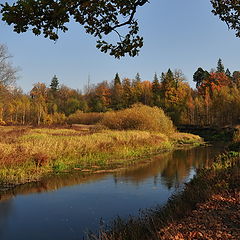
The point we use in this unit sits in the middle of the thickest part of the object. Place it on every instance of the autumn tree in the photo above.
(103, 95)
(25, 109)
(236, 78)
(69, 100)
(127, 93)
(174, 93)
(39, 98)
(146, 97)
(4, 98)
(215, 81)
(137, 88)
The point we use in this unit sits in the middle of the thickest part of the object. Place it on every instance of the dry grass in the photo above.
(28, 154)
(137, 117)
(185, 138)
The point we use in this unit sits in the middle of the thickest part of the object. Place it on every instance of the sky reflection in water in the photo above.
(64, 207)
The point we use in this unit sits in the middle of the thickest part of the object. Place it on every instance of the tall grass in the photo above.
(28, 154)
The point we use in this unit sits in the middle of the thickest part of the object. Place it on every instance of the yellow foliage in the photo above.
(58, 118)
(80, 117)
(139, 117)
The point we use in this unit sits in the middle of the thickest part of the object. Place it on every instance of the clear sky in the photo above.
(178, 34)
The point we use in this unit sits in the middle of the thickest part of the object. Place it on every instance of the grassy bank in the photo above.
(208, 208)
(28, 154)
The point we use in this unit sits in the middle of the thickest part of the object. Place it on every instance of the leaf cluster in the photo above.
(98, 17)
(229, 12)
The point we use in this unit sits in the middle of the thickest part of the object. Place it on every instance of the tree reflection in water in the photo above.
(169, 169)
(95, 196)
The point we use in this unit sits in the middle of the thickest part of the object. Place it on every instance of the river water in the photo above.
(66, 207)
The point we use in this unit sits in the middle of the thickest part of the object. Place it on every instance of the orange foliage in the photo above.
(215, 81)
(103, 91)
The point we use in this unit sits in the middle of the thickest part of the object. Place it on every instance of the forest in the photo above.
(214, 102)
(69, 157)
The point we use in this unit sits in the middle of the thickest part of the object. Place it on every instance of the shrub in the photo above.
(47, 119)
(139, 117)
(80, 117)
(59, 118)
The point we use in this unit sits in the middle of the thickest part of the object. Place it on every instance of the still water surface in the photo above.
(65, 207)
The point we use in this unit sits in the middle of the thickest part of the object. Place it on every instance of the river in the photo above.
(65, 207)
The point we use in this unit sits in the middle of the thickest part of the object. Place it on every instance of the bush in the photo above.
(59, 118)
(47, 119)
(139, 117)
(80, 117)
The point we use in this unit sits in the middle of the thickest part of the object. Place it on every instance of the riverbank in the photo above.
(29, 154)
(208, 208)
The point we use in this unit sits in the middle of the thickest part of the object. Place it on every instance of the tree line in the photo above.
(214, 102)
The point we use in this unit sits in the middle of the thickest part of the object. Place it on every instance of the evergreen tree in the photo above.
(228, 73)
(54, 84)
(136, 89)
(117, 97)
(117, 94)
(155, 84)
(169, 76)
(116, 80)
(127, 93)
(156, 90)
(199, 76)
(220, 67)
(137, 78)
(168, 80)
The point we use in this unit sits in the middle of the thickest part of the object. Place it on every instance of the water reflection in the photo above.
(170, 169)
(5, 211)
(66, 205)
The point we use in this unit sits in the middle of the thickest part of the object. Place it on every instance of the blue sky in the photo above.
(177, 34)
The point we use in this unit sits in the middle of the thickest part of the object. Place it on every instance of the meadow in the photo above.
(28, 154)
